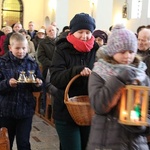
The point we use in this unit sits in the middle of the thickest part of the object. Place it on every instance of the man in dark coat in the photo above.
(46, 49)
(45, 52)
(144, 47)
(31, 31)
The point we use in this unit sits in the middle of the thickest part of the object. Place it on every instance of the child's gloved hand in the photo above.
(127, 76)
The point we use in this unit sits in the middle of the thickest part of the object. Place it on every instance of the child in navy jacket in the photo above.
(17, 103)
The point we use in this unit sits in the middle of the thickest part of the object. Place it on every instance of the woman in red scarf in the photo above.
(75, 54)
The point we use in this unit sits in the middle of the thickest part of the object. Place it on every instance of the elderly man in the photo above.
(45, 53)
(46, 49)
(144, 51)
(144, 47)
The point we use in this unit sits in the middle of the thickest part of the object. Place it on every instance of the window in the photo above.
(12, 12)
(136, 8)
(148, 15)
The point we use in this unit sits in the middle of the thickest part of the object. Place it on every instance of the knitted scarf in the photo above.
(105, 69)
(79, 45)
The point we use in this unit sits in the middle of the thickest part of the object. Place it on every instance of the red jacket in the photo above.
(2, 39)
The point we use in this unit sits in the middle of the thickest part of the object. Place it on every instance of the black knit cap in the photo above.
(101, 34)
(82, 21)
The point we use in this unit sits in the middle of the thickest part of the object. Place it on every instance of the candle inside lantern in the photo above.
(124, 113)
(134, 116)
(134, 105)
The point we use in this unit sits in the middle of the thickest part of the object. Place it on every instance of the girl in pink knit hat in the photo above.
(119, 65)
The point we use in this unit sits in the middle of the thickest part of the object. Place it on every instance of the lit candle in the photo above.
(134, 116)
(124, 113)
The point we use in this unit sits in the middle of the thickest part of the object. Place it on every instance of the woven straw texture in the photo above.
(78, 106)
(4, 140)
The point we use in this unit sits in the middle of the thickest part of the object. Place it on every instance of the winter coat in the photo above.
(106, 132)
(34, 34)
(66, 63)
(45, 53)
(17, 102)
(143, 53)
(146, 58)
(31, 48)
(36, 41)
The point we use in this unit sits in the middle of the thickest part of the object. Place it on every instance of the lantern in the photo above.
(134, 105)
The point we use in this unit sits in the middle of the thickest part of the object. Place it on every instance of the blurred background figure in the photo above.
(1, 32)
(46, 49)
(40, 35)
(43, 27)
(31, 49)
(44, 56)
(139, 29)
(65, 29)
(144, 42)
(144, 47)
(55, 25)
(100, 37)
(148, 26)
(6, 30)
(31, 30)
(16, 27)
(110, 28)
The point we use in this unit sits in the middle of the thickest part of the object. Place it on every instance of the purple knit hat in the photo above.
(121, 39)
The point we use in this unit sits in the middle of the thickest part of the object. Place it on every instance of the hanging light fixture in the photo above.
(92, 6)
(124, 10)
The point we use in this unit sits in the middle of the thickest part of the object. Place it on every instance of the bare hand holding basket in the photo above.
(78, 106)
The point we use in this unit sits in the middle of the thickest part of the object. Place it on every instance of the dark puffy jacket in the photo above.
(45, 53)
(17, 102)
(66, 63)
(146, 58)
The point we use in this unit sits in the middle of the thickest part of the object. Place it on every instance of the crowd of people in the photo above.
(106, 62)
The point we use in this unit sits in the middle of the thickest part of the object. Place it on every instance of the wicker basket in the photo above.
(4, 139)
(78, 106)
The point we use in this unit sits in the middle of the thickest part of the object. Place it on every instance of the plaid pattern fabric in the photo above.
(17, 102)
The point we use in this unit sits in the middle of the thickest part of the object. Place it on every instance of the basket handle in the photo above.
(68, 86)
